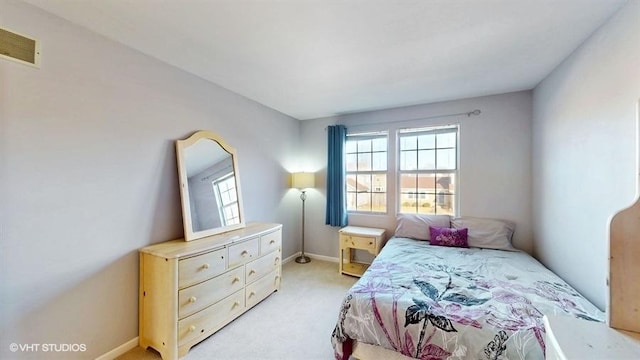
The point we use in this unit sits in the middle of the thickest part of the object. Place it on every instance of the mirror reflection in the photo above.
(211, 199)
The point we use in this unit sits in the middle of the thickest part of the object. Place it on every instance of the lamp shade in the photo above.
(302, 180)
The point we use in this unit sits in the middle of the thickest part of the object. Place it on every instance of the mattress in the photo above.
(435, 302)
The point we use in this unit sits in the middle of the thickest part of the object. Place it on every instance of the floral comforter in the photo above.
(433, 302)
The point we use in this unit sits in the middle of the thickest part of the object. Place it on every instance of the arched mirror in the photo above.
(209, 186)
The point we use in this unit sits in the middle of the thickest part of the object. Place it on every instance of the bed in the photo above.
(447, 302)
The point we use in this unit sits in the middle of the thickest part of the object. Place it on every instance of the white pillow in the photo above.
(487, 233)
(416, 226)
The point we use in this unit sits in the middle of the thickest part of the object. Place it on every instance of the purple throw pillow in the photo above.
(448, 237)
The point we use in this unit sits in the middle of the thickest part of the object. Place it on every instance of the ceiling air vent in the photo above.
(19, 48)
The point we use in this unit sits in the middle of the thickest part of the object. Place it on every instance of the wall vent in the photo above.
(19, 48)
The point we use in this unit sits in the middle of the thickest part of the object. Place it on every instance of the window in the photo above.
(225, 189)
(366, 165)
(428, 169)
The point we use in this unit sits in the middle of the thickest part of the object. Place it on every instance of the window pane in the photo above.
(364, 145)
(351, 146)
(380, 144)
(364, 162)
(379, 183)
(447, 159)
(408, 143)
(364, 201)
(408, 160)
(408, 183)
(426, 159)
(446, 182)
(351, 201)
(426, 184)
(363, 183)
(446, 140)
(379, 161)
(427, 141)
(351, 183)
(352, 162)
(426, 206)
(379, 202)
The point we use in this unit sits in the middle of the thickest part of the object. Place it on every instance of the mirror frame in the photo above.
(181, 146)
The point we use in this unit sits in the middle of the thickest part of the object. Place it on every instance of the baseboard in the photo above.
(313, 256)
(131, 344)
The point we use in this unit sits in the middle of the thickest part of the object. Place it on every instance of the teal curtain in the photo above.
(336, 174)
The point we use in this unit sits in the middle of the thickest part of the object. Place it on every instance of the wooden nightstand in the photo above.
(570, 338)
(354, 237)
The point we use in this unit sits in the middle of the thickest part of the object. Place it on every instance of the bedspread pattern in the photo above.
(431, 302)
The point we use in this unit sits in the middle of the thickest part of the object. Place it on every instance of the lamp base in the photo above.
(303, 259)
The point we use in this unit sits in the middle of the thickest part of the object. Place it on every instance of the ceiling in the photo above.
(316, 58)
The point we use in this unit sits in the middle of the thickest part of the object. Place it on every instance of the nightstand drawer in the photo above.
(198, 297)
(202, 267)
(357, 242)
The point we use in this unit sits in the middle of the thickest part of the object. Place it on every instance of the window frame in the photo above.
(385, 173)
(455, 194)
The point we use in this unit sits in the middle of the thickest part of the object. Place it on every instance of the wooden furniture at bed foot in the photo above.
(189, 290)
(356, 237)
(569, 338)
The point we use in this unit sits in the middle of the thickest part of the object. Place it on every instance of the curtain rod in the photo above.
(468, 113)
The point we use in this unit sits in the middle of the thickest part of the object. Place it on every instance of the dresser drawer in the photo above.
(264, 265)
(358, 242)
(211, 318)
(270, 242)
(201, 267)
(198, 297)
(243, 252)
(262, 288)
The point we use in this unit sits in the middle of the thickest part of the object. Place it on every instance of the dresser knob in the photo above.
(205, 266)
(235, 305)
(235, 280)
(192, 328)
(252, 294)
(252, 272)
(244, 253)
(272, 242)
(192, 299)
(371, 243)
(275, 262)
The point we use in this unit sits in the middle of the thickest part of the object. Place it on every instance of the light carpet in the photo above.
(293, 323)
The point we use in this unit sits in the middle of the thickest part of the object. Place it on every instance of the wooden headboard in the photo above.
(623, 308)
(624, 270)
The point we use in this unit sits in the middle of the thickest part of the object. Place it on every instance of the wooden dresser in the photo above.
(189, 290)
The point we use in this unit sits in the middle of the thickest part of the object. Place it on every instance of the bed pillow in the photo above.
(487, 233)
(416, 226)
(442, 236)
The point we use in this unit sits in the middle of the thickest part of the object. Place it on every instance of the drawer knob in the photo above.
(275, 262)
(370, 242)
(192, 328)
(235, 305)
(252, 294)
(192, 299)
(272, 242)
(205, 266)
(235, 280)
(244, 253)
(252, 272)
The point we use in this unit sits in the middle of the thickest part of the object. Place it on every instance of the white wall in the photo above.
(495, 168)
(584, 152)
(88, 176)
